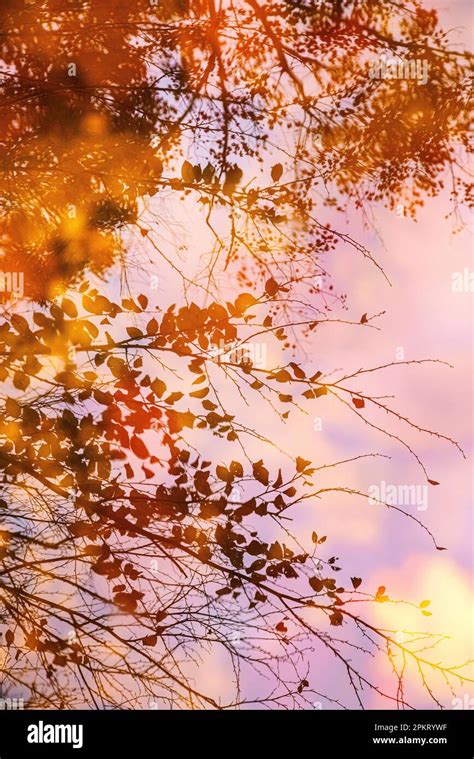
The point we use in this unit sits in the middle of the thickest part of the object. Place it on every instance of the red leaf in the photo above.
(139, 448)
(277, 171)
(150, 640)
(336, 618)
(271, 287)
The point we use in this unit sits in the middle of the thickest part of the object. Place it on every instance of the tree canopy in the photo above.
(128, 545)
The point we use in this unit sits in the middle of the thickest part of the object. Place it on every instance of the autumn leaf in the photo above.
(236, 468)
(301, 464)
(276, 172)
(150, 640)
(134, 332)
(152, 327)
(297, 370)
(380, 595)
(282, 376)
(139, 448)
(127, 601)
(9, 638)
(244, 301)
(271, 287)
(177, 420)
(158, 387)
(187, 171)
(117, 366)
(201, 393)
(12, 407)
(260, 472)
(316, 584)
(103, 398)
(233, 178)
(275, 551)
(82, 529)
(336, 618)
(69, 308)
(224, 474)
(208, 173)
(21, 380)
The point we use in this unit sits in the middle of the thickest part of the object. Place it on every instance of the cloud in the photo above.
(450, 592)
